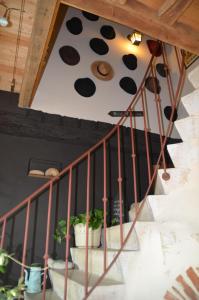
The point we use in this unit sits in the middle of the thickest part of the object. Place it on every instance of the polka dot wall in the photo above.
(86, 44)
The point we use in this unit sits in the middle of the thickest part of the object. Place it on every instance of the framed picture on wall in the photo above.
(189, 58)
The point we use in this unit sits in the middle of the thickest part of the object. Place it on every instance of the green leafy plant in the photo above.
(96, 218)
(4, 260)
(114, 222)
(9, 293)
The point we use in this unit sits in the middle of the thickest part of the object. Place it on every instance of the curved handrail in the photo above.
(86, 155)
(81, 157)
(169, 129)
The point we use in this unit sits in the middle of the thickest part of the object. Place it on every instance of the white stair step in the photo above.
(164, 252)
(178, 177)
(145, 215)
(50, 295)
(76, 282)
(191, 103)
(113, 238)
(96, 262)
(182, 205)
(184, 155)
(193, 77)
(188, 128)
(167, 248)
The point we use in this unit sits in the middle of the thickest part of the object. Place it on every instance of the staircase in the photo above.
(142, 259)
(165, 239)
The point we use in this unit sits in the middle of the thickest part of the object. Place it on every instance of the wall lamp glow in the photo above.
(5, 20)
(135, 38)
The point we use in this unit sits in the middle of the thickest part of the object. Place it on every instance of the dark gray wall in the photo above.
(27, 134)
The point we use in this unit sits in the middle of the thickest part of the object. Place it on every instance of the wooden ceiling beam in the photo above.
(171, 10)
(122, 2)
(9, 69)
(44, 20)
(137, 15)
(131, 13)
(10, 38)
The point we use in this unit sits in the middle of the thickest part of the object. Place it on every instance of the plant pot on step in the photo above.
(96, 218)
(94, 236)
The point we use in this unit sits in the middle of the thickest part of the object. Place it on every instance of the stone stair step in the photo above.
(184, 155)
(145, 215)
(191, 103)
(193, 77)
(164, 252)
(177, 206)
(113, 238)
(50, 295)
(160, 243)
(188, 128)
(96, 262)
(76, 284)
(178, 177)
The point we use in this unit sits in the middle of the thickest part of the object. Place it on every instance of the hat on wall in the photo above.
(102, 70)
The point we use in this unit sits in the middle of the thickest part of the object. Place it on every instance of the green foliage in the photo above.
(96, 218)
(114, 222)
(10, 293)
(60, 231)
(3, 260)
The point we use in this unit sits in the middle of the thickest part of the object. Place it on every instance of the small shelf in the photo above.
(41, 176)
(36, 165)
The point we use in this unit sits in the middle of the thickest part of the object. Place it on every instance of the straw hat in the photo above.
(102, 70)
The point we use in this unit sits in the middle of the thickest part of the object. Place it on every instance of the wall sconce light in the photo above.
(135, 38)
(4, 21)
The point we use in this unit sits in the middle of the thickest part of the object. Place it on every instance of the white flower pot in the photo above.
(94, 236)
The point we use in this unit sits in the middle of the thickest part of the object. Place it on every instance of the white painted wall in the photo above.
(56, 93)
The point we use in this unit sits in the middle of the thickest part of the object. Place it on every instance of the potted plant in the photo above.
(96, 218)
(8, 292)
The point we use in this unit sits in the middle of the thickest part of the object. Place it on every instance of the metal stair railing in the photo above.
(128, 119)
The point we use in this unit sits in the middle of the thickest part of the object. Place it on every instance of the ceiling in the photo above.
(173, 21)
(8, 39)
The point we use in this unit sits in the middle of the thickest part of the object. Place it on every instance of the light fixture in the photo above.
(4, 21)
(135, 38)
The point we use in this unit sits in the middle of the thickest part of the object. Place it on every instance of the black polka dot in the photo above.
(152, 84)
(168, 111)
(69, 55)
(130, 61)
(162, 70)
(107, 32)
(74, 26)
(99, 46)
(155, 47)
(85, 87)
(89, 16)
(128, 85)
